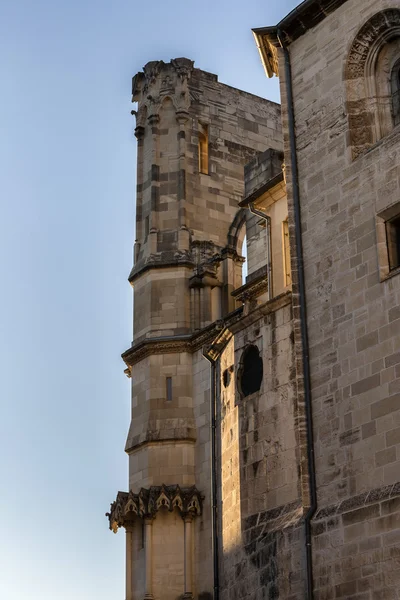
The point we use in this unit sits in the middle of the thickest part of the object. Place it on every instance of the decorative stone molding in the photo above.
(191, 343)
(368, 103)
(252, 289)
(160, 80)
(376, 27)
(148, 502)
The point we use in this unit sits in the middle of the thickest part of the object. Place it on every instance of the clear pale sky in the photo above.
(67, 176)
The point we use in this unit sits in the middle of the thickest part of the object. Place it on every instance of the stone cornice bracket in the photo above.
(229, 252)
(145, 504)
(139, 132)
(182, 116)
(213, 350)
(153, 119)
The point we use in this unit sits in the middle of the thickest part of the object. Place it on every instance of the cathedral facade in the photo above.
(264, 445)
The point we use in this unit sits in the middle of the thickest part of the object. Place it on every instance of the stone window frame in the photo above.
(368, 72)
(382, 219)
(203, 148)
(395, 92)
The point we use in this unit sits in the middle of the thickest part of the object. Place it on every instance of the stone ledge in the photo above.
(159, 262)
(361, 500)
(234, 322)
(255, 285)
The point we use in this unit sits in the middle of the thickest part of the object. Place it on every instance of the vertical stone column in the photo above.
(129, 558)
(139, 133)
(206, 305)
(154, 121)
(228, 266)
(148, 528)
(187, 519)
(182, 117)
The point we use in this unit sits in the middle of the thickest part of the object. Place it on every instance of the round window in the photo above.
(251, 371)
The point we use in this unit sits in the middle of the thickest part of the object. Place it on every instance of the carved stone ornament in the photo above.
(160, 80)
(366, 38)
(367, 120)
(149, 501)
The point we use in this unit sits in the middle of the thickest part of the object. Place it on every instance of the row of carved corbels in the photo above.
(145, 504)
(153, 120)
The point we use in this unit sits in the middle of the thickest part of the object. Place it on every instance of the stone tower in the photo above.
(194, 137)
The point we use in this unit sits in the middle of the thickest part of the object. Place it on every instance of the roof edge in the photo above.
(300, 20)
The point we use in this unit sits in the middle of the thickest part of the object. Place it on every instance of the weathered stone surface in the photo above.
(187, 268)
(349, 178)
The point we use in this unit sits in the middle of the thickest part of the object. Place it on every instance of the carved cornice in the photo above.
(186, 343)
(252, 289)
(155, 262)
(150, 346)
(234, 322)
(146, 504)
(261, 311)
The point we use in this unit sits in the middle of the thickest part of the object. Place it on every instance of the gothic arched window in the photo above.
(251, 371)
(395, 89)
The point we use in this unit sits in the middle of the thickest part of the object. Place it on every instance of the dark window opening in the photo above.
(395, 89)
(169, 389)
(251, 371)
(226, 377)
(393, 242)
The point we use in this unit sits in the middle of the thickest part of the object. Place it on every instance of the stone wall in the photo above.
(261, 509)
(353, 316)
(203, 533)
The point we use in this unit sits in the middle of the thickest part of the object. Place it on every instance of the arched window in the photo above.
(250, 372)
(373, 81)
(395, 89)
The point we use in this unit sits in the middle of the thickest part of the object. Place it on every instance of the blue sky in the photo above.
(67, 175)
